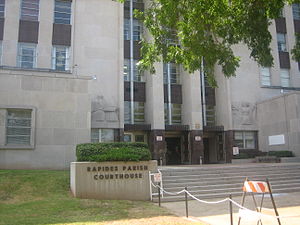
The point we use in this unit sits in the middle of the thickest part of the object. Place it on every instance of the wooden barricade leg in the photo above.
(242, 204)
(273, 202)
(256, 207)
(260, 207)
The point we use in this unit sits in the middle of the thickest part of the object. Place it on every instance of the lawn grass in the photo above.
(43, 197)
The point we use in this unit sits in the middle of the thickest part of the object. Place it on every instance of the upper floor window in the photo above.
(62, 12)
(173, 73)
(1, 50)
(137, 75)
(285, 77)
(30, 10)
(281, 13)
(26, 55)
(281, 42)
(2, 8)
(126, 29)
(137, 30)
(296, 11)
(60, 58)
(175, 113)
(127, 112)
(18, 127)
(139, 112)
(265, 76)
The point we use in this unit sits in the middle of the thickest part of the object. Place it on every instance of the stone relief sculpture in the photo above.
(243, 113)
(102, 112)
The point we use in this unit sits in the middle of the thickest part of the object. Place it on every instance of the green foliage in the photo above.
(117, 151)
(296, 49)
(281, 153)
(207, 30)
(243, 155)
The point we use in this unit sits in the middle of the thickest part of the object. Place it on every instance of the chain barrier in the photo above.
(246, 210)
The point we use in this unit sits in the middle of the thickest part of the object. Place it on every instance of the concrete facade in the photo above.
(99, 96)
(279, 117)
(60, 118)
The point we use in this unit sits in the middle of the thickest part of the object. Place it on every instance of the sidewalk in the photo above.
(288, 204)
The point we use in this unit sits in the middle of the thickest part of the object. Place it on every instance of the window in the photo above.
(210, 115)
(174, 73)
(127, 112)
(60, 58)
(126, 29)
(126, 70)
(18, 127)
(127, 138)
(2, 8)
(102, 135)
(281, 13)
(137, 30)
(139, 138)
(245, 139)
(296, 11)
(62, 12)
(281, 42)
(285, 77)
(139, 112)
(175, 113)
(137, 75)
(1, 50)
(166, 109)
(134, 137)
(265, 76)
(30, 10)
(26, 56)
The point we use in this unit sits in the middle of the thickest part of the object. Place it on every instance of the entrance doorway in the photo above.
(206, 150)
(173, 156)
(213, 147)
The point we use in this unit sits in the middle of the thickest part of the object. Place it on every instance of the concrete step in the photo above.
(219, 195)
(175, 173)
(219, 181)
(212, 180)
(227, 185)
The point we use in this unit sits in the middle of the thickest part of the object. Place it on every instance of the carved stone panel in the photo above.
(103, 112)
(243, 113)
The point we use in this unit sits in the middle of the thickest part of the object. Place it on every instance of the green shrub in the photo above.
(281, 153)
(118, 151)
(243, 155)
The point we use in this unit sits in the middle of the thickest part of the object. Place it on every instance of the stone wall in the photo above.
(61, 117)
(279, 117)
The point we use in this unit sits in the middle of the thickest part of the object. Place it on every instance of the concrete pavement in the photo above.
(288, 205)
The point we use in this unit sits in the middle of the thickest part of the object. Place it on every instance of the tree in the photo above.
(206, 30)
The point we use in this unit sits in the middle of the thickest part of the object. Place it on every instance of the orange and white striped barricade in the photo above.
(258, 187)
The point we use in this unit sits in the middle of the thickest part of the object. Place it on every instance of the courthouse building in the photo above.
(68, 75)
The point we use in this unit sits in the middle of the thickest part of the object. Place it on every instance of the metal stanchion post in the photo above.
(158, 194)
(230, 209)
(186, 203)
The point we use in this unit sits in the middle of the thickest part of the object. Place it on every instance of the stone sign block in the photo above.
(112, 180)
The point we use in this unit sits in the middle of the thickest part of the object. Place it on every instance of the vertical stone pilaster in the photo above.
(228, 145)
(196, 146)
